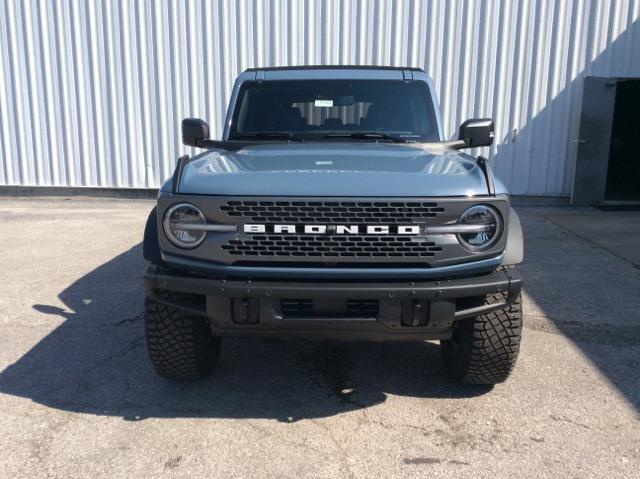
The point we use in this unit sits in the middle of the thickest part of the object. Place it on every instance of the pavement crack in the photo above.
(434, 460)
(569, 421)
(598, 333)
(590, 241)
(134, 319)
(342, 451)
(134, 344)
(330, 367)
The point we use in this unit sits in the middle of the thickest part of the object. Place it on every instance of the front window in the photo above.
(333, 109)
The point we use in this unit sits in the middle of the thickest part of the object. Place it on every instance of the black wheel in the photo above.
(181, 346)
(484, 349)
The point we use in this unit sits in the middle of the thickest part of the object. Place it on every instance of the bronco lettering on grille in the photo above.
(332, 229)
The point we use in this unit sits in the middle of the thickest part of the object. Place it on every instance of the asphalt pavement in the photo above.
(78, 396)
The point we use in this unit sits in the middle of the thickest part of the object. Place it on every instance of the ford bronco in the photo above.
(334, 208)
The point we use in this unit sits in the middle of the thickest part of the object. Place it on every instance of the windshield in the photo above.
(334, 109)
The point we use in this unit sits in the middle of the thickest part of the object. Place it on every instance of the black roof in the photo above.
(335, 67)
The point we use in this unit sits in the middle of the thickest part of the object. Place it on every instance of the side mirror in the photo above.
(194, 131)
(476, 132)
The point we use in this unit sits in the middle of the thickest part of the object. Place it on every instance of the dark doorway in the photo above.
(623, 171)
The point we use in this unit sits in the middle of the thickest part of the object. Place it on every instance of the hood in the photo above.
(334, 169)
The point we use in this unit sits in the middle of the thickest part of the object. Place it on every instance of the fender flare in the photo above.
(150, 244)
(514, 252)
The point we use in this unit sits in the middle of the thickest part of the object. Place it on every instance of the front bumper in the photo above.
(392, 310)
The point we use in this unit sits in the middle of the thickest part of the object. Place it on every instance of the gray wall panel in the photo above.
(92, 92)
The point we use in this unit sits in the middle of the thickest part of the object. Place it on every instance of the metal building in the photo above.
(92, 92)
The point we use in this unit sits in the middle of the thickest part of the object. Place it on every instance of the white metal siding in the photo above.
(92, 92)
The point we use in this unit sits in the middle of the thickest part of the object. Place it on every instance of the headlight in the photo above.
(183, 225)
(484, 226)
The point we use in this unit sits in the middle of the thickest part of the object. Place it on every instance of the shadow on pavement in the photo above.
(96, 363)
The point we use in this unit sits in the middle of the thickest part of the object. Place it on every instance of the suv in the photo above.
(333, 208)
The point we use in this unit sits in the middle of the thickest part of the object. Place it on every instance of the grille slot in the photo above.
(353, 308)
(311, 246)
(327, 212)
(362, 307)
(296, 307)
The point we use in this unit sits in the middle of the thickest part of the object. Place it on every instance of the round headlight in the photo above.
(181, 223)
(484, 227)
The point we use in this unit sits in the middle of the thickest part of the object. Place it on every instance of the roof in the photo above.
(334, 72)
(334, 67)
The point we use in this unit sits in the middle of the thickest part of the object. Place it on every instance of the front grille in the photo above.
(275, 233)
(327, 212)
(333, 246)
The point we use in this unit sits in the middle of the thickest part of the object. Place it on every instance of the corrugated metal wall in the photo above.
(92, 92)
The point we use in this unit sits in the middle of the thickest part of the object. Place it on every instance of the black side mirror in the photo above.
(194, 131)
(476, 132)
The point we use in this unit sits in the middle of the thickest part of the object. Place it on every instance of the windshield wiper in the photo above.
(266, 135)
(366, 135)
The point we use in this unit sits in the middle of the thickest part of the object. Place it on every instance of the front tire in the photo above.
(484, 349)
(181, 346)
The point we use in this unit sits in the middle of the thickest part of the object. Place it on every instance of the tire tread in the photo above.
(488, 344)
(181, 346)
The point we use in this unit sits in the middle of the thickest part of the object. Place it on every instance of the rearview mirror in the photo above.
(477, 132)
(194, 131)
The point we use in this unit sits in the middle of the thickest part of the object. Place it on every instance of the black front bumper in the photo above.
(344, 310)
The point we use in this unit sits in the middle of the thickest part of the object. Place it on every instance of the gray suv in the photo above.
(334, 208)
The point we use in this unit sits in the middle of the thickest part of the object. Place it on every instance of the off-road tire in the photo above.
(484, 349)
(181, 346)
